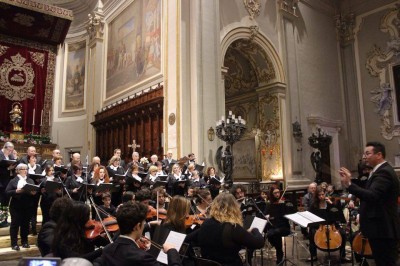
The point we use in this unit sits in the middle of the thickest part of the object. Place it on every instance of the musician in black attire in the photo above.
(48, 197)
(74, 183)
(222, 236)
(212, 180)
(21, 206)
(35, 169)
(321, 202)
(6, 153)
(69, 235)
(279, 225)
(133, 182)
(125, 250)
(113, 169)
(379, 218)
(46, 234)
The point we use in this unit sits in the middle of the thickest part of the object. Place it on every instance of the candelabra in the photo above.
(230, 131)
(320, 141)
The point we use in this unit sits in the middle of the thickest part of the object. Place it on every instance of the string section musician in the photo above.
(379, 219)
(125, 250)
(279, 225)
(222, 236)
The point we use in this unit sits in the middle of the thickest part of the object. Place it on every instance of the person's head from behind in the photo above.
(58, 207)
(131, 217)
(177, 211)
(128, 196)
(143, 196)
(225, 208)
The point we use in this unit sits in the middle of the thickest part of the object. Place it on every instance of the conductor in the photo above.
(379, 220)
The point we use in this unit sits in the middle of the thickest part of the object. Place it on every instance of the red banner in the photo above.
(27, 78)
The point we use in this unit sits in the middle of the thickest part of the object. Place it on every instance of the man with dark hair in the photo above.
(125, 251)
(379, 220)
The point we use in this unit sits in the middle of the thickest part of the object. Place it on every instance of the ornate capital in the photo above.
(95, 27)
(345, 27)
(289, 6)
(253, 7)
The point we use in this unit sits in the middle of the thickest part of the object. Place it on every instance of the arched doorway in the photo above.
(254, 89)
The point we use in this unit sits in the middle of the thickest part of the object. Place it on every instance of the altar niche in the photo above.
(139, 118)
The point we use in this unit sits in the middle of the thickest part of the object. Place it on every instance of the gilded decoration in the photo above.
(3, 49)
(253, 7)
(380, 61)
(38, 58)
(248, 65)
(16, 79)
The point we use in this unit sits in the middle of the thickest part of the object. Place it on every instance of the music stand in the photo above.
(305, 219)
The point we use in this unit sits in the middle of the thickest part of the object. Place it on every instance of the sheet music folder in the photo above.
(52, 186)
(304, 219)
(28, 188)
(7, 163)
(104, 187)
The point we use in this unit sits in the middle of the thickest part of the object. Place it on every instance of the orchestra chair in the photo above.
(205, 262)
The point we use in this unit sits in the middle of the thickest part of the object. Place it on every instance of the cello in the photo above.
(327, 237)
(361, 245)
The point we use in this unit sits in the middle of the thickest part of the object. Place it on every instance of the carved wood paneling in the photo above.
(139, 118)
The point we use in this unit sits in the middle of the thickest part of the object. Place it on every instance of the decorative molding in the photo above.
(95, 27)
(379, 62)
(253, 7)
(253, 32)
(345, 25)
(325, 122)
(289, 6)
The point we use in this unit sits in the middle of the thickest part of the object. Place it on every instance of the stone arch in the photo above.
(260, 40)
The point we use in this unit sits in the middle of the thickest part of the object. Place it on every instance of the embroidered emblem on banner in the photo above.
(16, 79)
(38, 58)
(3, 49)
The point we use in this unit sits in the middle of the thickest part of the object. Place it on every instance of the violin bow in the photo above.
(283, 193)
(157, 211)
(101, 221)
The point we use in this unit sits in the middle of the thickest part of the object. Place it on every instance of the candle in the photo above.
(41, 118)
(33, 119)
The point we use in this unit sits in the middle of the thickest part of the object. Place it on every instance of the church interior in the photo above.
(265, 91)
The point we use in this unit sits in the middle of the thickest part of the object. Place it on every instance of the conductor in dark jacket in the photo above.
(379, 220)
(125, 251)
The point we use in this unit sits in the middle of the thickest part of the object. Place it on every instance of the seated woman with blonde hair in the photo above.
(222, 236)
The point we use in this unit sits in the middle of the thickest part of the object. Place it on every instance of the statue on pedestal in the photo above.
(16, 117)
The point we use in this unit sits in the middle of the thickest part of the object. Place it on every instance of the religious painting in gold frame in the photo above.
(75, 77)
(133, 47)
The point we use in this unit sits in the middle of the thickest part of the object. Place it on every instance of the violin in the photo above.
(361, 245)
(152, 214)
(95, 228)
(328, 238)
(194, 219)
